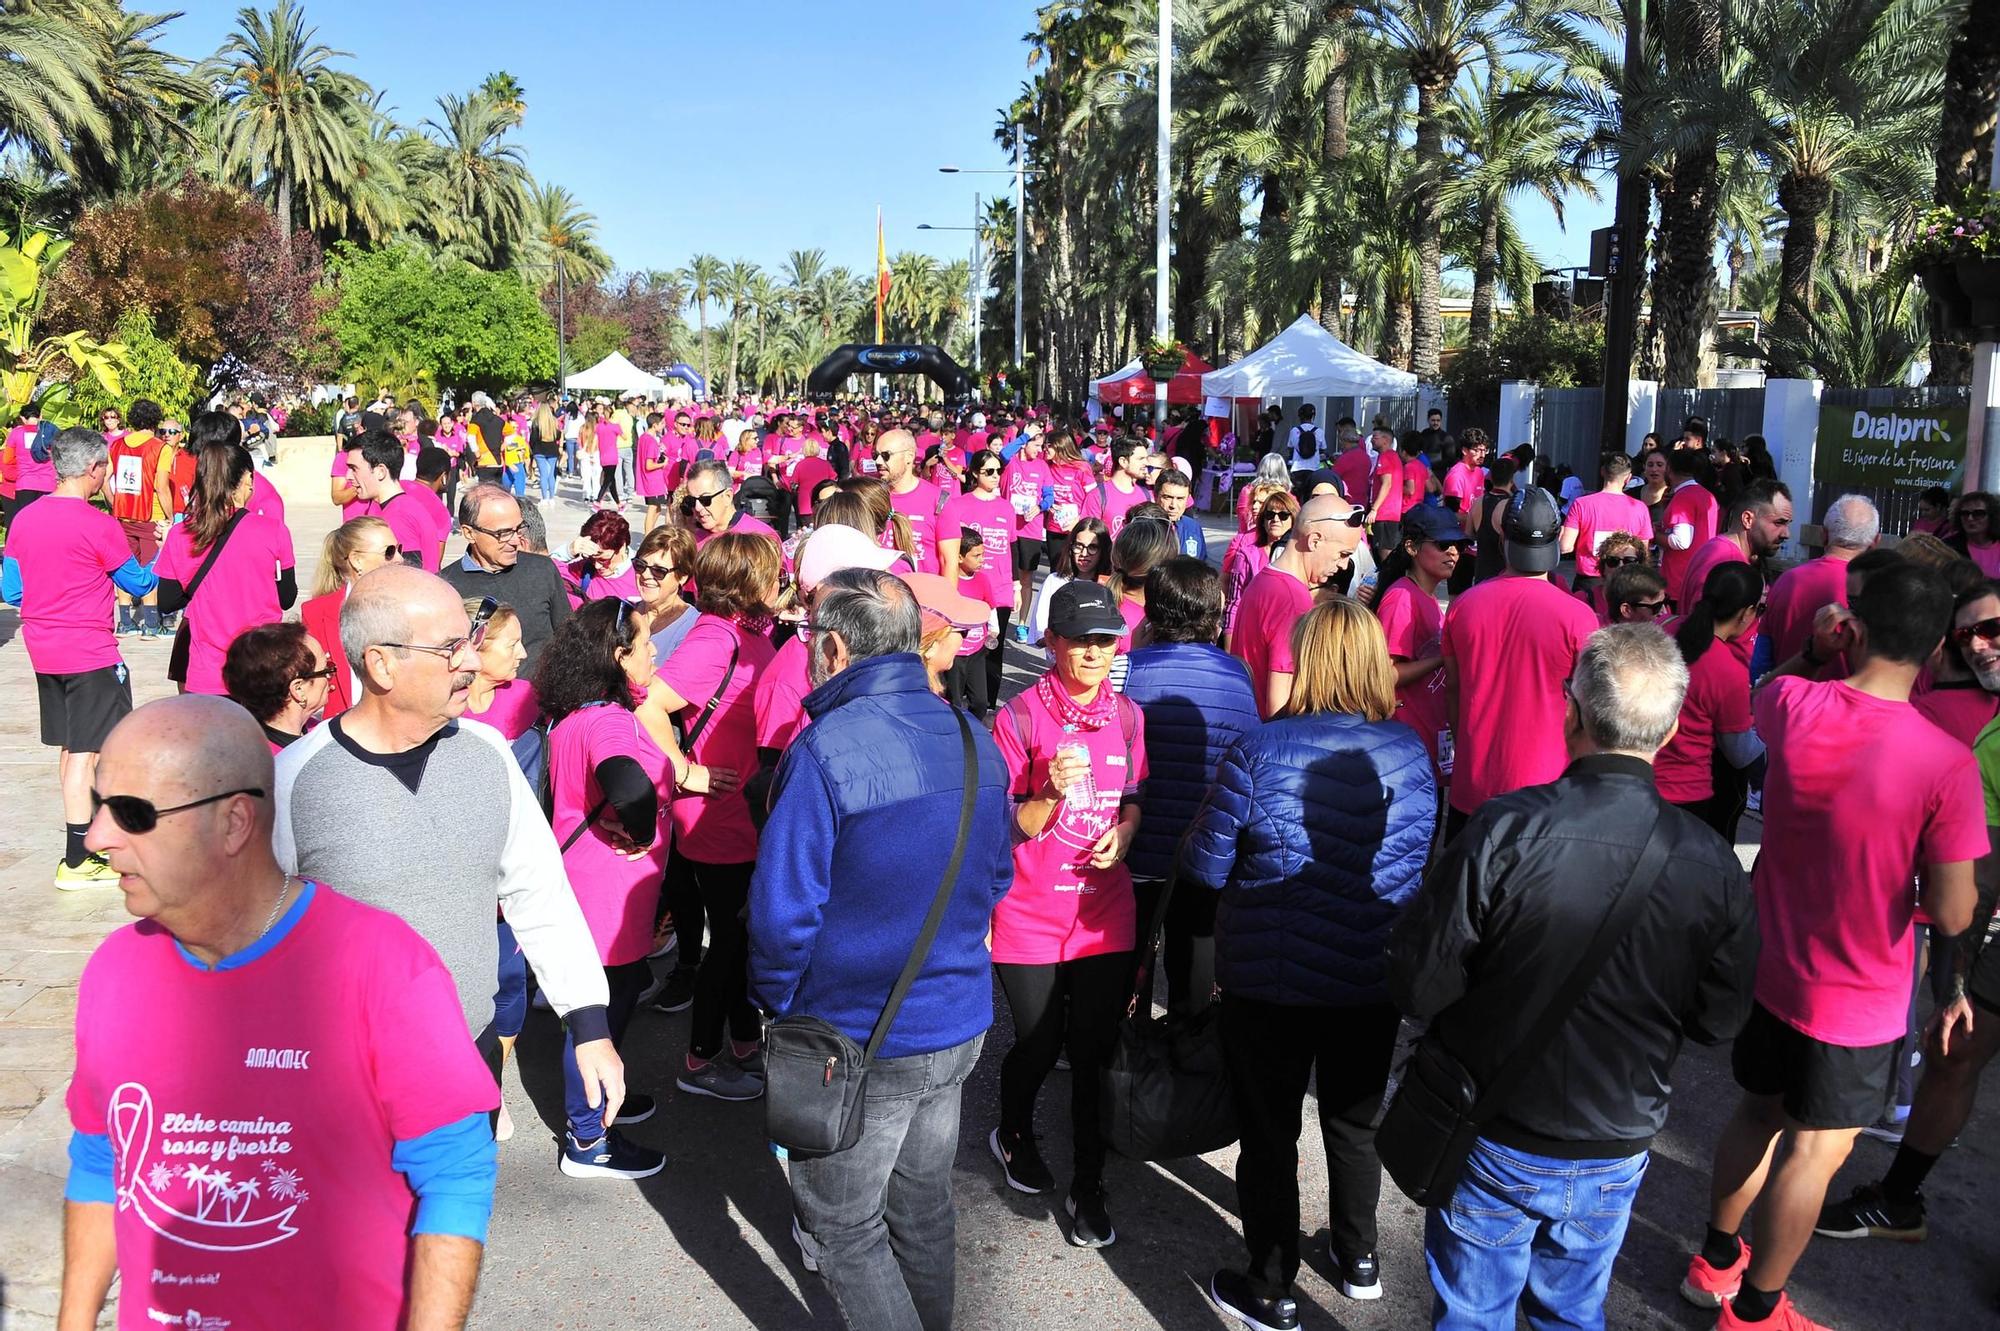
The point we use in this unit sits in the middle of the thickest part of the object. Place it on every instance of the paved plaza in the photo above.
(706, 1243)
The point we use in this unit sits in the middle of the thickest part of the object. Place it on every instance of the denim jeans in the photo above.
(626, 982)
(1532, 1229)
(510, 998)
(625, 471)
(880, 1213)
(545, 472)
(569, 456)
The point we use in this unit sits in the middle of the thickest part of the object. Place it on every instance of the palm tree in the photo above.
(1965, 147)
(561, 233)
(767, 300)
(505, 92)
(1862, 333)
(702, 277)
(48, 93)
(477, 185)
(735, 288)
(287, 113)
(147, 96)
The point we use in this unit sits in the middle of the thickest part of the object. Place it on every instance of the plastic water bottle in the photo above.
(1446, 753)
(1082, 792)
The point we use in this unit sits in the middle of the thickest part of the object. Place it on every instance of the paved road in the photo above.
(706, 1243)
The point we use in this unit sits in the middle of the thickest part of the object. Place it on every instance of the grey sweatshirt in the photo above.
(438, 836)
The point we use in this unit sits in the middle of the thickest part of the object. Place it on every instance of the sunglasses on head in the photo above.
(1356, 518)
(1989, 629)
(139, 816)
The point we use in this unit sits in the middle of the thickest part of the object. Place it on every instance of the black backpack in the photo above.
(1308, 440)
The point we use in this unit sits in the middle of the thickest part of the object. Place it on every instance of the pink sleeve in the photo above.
(695, 670)
(1399, 624)
(1008, 724)
(339, 471)
(281, 544)
(1139, 769)
(1957, 828)
(427, 1073)
(1280, 661)
(1732, 713)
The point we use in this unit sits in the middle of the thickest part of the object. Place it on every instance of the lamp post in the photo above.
(1021, 171)
(978, 275)
(1163, 208)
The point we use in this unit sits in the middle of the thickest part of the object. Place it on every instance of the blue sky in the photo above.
(745, 129)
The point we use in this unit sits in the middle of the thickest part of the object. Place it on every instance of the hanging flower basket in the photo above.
(1162, 360)
(1967, 291)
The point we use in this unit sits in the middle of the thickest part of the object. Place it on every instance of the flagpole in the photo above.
(878, 292)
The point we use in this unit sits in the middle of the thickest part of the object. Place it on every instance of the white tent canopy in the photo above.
(1126, 371)
(1307, 361)
(615, 374)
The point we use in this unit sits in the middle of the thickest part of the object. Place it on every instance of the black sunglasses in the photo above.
(1653, 608)
(138, 817)
(646, 568)
(1274, 515)
(324, 672)
(1972, 513)
(1988, 629)
(987, 471)
(1619, 561)
(688, 501)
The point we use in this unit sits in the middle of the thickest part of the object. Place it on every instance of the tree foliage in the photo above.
(469, 327)
(153, 369)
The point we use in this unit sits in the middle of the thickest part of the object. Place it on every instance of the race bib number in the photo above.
(130, 475)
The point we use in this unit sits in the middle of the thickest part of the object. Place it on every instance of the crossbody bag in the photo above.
(177, 659)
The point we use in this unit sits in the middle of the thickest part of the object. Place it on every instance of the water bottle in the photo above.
(1446, 753)
(1081, 793)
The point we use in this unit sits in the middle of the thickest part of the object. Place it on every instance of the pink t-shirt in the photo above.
(619, 896)
(1513, 641)
(67, 551)
(435, 512)
(920, 506)
(781, 695)
(1712, 554)
(1695, 507)
(452, 441)
(1022, 483)
(745, 463)
(1354, 467)
(1060, 908)
(716, 829)
(240, 591)
(512, 709)
(1464, 483)
(353, 508)
(1717, 703)
(1272, 604)
(1797, 597)
(1595, 516)
(411, 524)
(1389, 467)
(1072, 483)
(608, 435)
(265, 501)
(1862, 793)
(994, 517)
(1113, 503)
(806, 475)
(33, 475)
(253, 1114)
(592, 585)
(1960, 710)
(1986, 556)
(1413, 622)
(651, 480)
(1416, 482)
(1242, 561)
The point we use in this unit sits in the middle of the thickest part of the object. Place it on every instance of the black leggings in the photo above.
(722, 988)
(1067, 1003)
(607, 488)
(996, 658)
(681, 900)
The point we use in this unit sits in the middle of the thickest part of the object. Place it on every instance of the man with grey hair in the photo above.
(1532, 878)
(500, 562)
(839, 900)
(710, 501)
(64, 557)
(489, 433)
(1852, 526)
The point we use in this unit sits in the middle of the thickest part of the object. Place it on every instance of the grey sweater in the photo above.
(439, 836)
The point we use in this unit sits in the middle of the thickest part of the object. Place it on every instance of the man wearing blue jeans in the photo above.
(1543, 1201)
(839, 899)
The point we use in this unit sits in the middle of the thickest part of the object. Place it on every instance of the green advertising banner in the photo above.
(1882, 448)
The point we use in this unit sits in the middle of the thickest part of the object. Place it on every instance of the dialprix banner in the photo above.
(1880, 448)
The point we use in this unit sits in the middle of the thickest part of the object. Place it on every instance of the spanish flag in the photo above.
(881, 274)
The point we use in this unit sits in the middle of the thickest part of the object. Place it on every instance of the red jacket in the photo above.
(321, 616)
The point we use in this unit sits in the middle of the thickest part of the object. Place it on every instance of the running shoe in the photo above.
(719, 1079)
(678, 993)
(1090, 1222)
(93, 872)
(665, 940)
(1870, 1213)
(1360, 1277)
(1709, 1287)
(752, 1062)
(610, 1156)
(1230, 1292)
(652, 990)
(636, 1108)
(1021, 1162)
(1785, 1317)
(1888, 1128)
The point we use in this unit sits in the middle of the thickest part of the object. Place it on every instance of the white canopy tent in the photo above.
(615, 374)
(1307, 361)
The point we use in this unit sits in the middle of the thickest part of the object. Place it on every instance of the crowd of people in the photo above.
(677, 766)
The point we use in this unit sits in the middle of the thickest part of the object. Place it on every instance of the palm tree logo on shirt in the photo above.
(220, 1220)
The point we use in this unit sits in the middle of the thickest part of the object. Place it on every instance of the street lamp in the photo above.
(978, 275)
(1020, 172)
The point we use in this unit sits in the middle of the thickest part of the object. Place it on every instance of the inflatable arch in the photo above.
(853, 358)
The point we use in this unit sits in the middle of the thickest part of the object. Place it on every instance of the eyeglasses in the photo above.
(515, 534)
(1275, 515)
(646, 568)
(324, 672)
(1619, 561)
(1082, 547)
(1989, 629)
(1653, 608)
(138, 817)
(472, 641)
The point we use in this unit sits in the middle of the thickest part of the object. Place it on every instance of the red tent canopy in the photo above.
(1135, 386)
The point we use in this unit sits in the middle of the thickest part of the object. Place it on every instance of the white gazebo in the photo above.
(615, 374)
(1307, 361)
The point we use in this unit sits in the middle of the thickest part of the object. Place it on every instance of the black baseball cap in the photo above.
(1082, 608)
(1533, 527)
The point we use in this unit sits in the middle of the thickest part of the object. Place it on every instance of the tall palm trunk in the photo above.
(1965, 149)
(1485, 275)
(1684, 280)
(1803, 199)
(1426, 320)
(285, 216)
(735, 345)
(1333, 158)
(701, 312)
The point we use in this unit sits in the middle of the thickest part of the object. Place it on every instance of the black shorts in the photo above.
(658, 501)
(79, 710)
(1027, 555)
(1820, 1085)
(1982, 982)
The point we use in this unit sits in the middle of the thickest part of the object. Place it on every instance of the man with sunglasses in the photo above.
(400, 755)
(1635, 593)
(333, 1072)
(910, 494)
(1321, 544)
(500, 562)
(710, 502)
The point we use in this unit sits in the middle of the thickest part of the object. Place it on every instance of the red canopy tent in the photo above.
(1134, 387)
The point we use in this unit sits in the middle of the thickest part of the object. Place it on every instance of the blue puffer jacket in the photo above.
(1316, 831)
(1197, 702)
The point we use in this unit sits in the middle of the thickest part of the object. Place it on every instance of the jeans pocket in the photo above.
(1486, 1211)
(1605, 1206)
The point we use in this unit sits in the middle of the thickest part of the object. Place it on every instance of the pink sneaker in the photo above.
(1785, 1317)
(1709, 1287)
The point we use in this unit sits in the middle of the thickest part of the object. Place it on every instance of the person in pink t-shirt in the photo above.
(1417, 481)
(1508, 646)
(1063, 935)
(1354, 467)
(1122, 488)
(652, 463)
(600, 563)
(250, 578)
(1862, 797)
(1322, 543)
(710, 684)
(1273, 511)
(434, 470)
(1385, 493)
(1594, 516)
(1028, 484)
(1413, 623)
(985, 510)
(1976, 519)
(1692, 518)
(299, 1130)
(1715, 724)
(606, 433)
(1465, 481)
(1852, 526)
(372, 463)
(909, 494)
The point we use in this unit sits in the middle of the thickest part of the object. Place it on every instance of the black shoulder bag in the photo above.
(1439, 1108)
(177, 659)
(815, 1078)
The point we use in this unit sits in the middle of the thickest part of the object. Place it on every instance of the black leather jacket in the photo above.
(1514, 901)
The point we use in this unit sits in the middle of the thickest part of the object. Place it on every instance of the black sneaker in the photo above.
(610, 1156)
(1869, 1213)
(1360, 1277)
(678, 993)
(1230, 1292)
(636, 1108)
(1090, 1222)
(1021, 1162)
